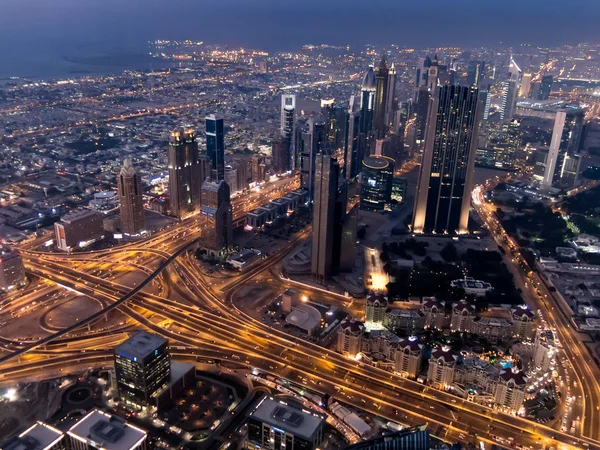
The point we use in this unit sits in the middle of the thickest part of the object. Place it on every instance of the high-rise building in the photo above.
(326, 188)
(216, 215)
(353, 149)
(12, 271)
(204, 167)
(215, 145)
(231, 179)
(131, 203)
(348, 244)
(444, 189)
(376, 182)
(422, 74)
(184, 177)
(280, 155)
(79, 228)
(142, 369)
(510, 92)
(314, 140)
(274, 424)
(525, 88)
(350, 337)
(545, 87)
(288, 112)
(381, 97)
(39, 436)
(259, 170)
(98, 430)
(390, 99)
(475, 73)
(367, 108)
(415, 438)
(563, 162)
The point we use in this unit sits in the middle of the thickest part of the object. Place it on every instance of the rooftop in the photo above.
(304, 316)
(140, 345)
(37, 437)
(299, 422)
(105, 431)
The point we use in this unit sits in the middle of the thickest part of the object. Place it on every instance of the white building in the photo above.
(442, 364)
(375, 308)
(407, 355)
(435, 314)
(350, 336)
(407, 320)
(472, 287)
(523, 322)
(510, 390)
(462, 317)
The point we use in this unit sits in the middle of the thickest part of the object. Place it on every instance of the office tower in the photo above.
(204, 168)
(381, 97)
(142, 369)
(231, 179)
(475, 73)
(287, 125)
(510, 91)
(131, 203)
(12, 271)
(376, 182)
(259, 170)
(485, 95)
(337, 118)
(422, 110)
(348, 244)
(103, 431)
(274, 424)
(215, 145)
(352, 152)
(326, 187)
(415, 438)
(525, 88)
(391, 94)
(39, 436)
(444, 189)
(422, 74)
(339, 216)
(545, 87)
(241, 168)
(79, 228)
(184, 177)
(367, 102)
(280, 155)
(314, 140)
(564, 160)
(216, 217)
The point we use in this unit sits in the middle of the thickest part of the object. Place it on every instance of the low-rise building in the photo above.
(523, 322)
(38, 436)
(12, 271)
(78, 229)
(472, 287)
(493, 329)
(375, 308)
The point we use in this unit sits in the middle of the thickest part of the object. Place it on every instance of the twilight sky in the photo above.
(29, 28)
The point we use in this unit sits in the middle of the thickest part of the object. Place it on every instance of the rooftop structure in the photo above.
(104, 431)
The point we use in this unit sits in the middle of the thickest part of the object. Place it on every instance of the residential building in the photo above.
(442, 364)
(407, 355)
(434, 312)
(375, 308)
(407, 320)
(463, 314)
(523, 322)
(350, 336)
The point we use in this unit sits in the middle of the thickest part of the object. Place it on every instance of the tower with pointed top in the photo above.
(391, 93)
(510, 91)
(381, 96)
(131, 204)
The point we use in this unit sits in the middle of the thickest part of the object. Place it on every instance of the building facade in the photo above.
(131, 202)
(215, 145)
(184, 176)
(216, 217)
(78, 228)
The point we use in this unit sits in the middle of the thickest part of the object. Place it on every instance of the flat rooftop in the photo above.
(37, 437)
(140, 345)
(105, 431)
(292, 419)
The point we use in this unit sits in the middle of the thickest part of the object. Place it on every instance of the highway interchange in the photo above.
(204, 323)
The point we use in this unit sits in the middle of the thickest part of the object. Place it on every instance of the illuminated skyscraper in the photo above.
(131, 203)
(326, 191)
(391, 93)
(367, 108)
(287, 125)
(475, 73)
(215, 145)
(444, 188)
(314, 140)
(510, 92)
(354, 150)
(184, 177)
(525, 88)
(216, 217)
(381, 97)
(142, 368)
(545, 87)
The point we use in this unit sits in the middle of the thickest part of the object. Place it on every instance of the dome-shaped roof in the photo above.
(368, 83)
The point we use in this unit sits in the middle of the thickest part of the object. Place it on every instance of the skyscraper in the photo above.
(184, 178)
(142, 368)
(216, 217)
(510, 92)
(280, 155)
(326, 188)
(131, 203)
(367, 108)
(215, 145)
(475, 73)
(288, 111)
(12, 271)
(353, 154)
(376, 182)
(381, 97)
(391, 94)
(314, 140)
(545, 87)
(525, 88)
(444, 188)
(563, 162)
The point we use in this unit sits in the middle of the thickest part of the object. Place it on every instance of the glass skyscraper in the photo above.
(215, 145)
(444, 188)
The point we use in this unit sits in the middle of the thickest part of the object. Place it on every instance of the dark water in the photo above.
(37, 35)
